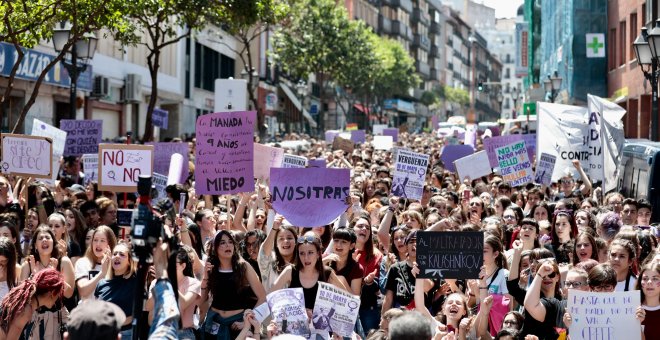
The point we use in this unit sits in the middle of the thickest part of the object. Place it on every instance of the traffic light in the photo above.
(480, 87)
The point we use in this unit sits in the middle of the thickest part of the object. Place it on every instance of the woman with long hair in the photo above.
(226, 272)
(76, 227)
(44, 289)
(541, 302)
(8, 266)
(66, 246)
(342, 262)
(92, 267)
(541, 212)
(277, 251)
(585, 221)
(9, 230)
(107, 212)
(585, 248)
(250, 248)
(397, 252)
(119, 285)
(369, 257)
(492, 281)
(563, 232)
(622, 257)
(190, 292)
(649, 286)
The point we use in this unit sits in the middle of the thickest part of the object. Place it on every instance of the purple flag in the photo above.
(490, 144)
(309, 197)
(163, 154)
(82, 136)
(358, 136)
(450, 153)
(394, 132)
(225, 152)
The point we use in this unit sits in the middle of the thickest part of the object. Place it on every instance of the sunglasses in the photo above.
(307, 239)
(550, 276)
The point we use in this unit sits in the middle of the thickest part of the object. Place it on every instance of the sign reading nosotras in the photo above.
(450, 255)
(28, 156)
(120, 165)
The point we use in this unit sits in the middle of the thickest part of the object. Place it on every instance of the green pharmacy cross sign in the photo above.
(595, 45)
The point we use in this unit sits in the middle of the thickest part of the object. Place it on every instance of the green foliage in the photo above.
(395, 74)
(457, 96)
(429, 98)
(238, 16)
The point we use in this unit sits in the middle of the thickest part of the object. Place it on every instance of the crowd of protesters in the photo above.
(61, 250)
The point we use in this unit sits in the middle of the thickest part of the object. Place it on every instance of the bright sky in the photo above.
(503, 8)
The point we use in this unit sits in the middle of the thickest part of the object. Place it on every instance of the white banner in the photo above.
(603, 315)
(409, 174)
(605, 118)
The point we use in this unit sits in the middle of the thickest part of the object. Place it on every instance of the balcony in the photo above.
(435, 52)
(421, 41)
(384, 25)
(419, 16)
(450, 66)
(435, 74)
(401, 29)
(405, 5)
(435, 28)
(450, 42)
(423, 69)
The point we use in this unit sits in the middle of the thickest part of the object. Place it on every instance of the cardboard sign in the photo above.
(225, 152)
(27, 156)
(490, 144)
(514, 164)
(383, 142)
(82, 136)
(266, 157)
(288, 309)
(473, 166)
(605, 315)
(409, 174)
(160, 118)
(343, 144)
(293, 161)
(120, 165)
(450, 254)
(90, 167)
(394, 132)
(309, 197)
(163, 155)
(378, 129)
(544, 168)
(58, 137)
(335, 310)
(450, 153)
(358, 136)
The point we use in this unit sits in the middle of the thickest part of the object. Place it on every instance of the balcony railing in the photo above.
(384, 25)
(421, 41)
(419, 16)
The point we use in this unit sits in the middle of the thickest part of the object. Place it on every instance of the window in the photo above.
(209, 66)
(644, 16)
(633, 33)
(507, 73)
(611, 50)
(622, 43)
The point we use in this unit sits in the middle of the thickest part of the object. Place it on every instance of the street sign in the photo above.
(595, 45)
(529, 109)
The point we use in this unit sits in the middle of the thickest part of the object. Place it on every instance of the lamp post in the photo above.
(500, 99)
(646, 49)
(552, 85)
(514, 96)
(82, 49)
(301, 88)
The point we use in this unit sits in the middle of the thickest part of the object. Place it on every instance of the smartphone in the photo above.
(467, 194)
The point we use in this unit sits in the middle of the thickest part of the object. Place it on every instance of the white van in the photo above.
(519, 125)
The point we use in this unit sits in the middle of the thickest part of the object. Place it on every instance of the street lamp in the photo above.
(646, 49)
(83, 49)
(301, 88)
(552, 85)
(514, 96)
(500, 99)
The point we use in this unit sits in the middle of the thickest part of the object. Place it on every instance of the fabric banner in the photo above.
(473, 166)
(490, 144)
(335, 310)
(450, 153)
(544, 168)
(266, 157)
(225, 153)
(287, 307)
(604, 315)
(58, 137)
(514, 164)
(610, 137)
(409, 174)
(163, 155)
(450, 254)
(309, 197)
(82, 136)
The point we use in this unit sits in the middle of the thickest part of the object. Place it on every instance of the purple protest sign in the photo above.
(160, 118)
(394, 132)
(450, 153)
(163, 154)
(358, 136)
(224, 152)
(82, 136)
(316, 163)
(330, 136)
(491, 144)
(309, 197)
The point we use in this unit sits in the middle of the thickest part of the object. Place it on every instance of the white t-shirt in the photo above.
(621, 286)
(497, 284)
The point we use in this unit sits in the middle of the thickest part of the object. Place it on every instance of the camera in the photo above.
(146, 228)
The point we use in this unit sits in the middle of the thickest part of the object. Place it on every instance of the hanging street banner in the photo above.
(606, 136)
(409, 174)
(595, 45)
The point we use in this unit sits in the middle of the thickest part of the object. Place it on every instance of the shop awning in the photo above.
(361, 108)
(296, 103)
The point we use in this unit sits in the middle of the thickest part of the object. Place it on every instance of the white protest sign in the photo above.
(335, 310)
(383, 142)
(409, 174)
(473, 166)
(27, 156)
(603, 315)
(378, 129)
(159, 183)
(266, 157)
(58, 137)
(90, 163)
(120, 165)
(289, 305)
(544, 168)
(514, 163)
(293, 161)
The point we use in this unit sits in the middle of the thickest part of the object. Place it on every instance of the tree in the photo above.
(312, 42)
(27, 22)
(162, 23)
(247, 20)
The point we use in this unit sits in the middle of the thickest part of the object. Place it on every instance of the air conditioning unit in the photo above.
(133, 88)
(101, 87)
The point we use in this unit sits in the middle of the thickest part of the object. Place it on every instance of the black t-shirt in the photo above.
(73, 249)
(401, 281)
(119, 291)
(543, 330)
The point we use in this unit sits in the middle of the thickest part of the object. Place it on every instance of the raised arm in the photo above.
(533, 304)
(384, 228)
